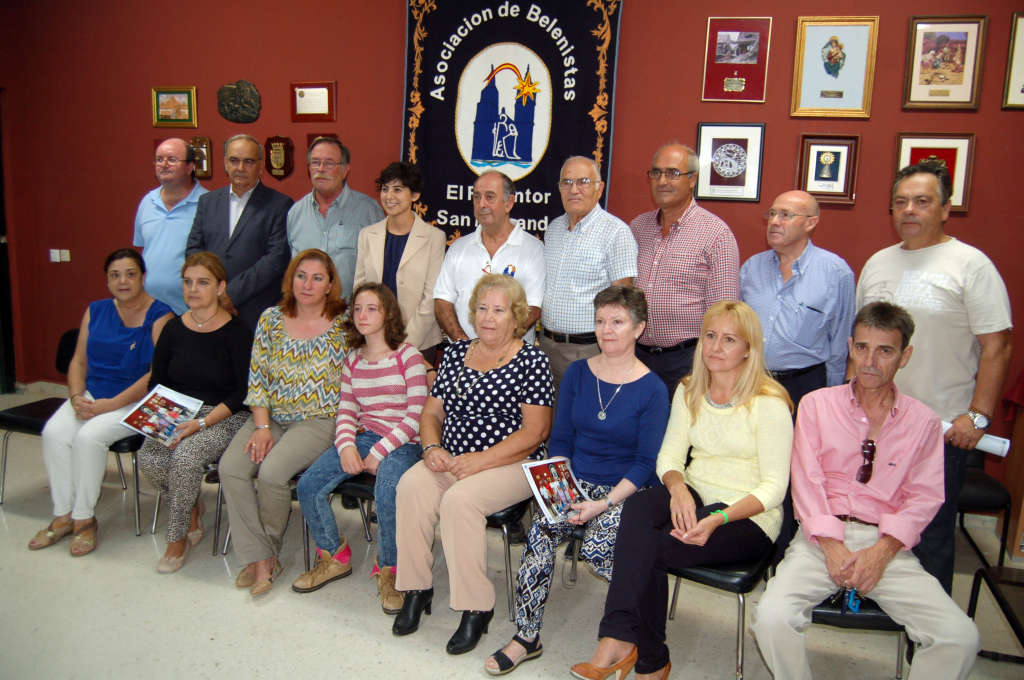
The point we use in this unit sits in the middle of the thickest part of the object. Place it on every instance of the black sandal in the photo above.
(506, 665)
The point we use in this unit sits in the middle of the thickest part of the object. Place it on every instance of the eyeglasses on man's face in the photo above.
(670, 174)
(783, 215)
(581, 182)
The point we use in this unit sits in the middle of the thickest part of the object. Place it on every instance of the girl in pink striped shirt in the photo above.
(383, 389)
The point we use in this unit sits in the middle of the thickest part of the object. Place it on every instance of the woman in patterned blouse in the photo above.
(294, 388)
(490, 407)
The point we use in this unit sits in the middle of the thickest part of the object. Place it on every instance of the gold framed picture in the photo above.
(944, 61)
(174, 107)
(834, 69)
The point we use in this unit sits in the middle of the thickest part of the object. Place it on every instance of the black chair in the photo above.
(360, 488)
(832, 612)
(210, 477)
(982, 493)
(31, 417)
(505, 520)
(996, 578)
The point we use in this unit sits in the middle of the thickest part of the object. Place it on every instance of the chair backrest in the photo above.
(66, 350)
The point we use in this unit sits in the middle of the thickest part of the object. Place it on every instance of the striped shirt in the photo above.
(580, 264)
(295, 378)
(683, 274)
(385, 397)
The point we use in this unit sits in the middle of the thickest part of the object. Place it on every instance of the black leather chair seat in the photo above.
(870, 616)
(981, 492)
(510, 515)
(129, 444)
(734, 578)
(30, 418)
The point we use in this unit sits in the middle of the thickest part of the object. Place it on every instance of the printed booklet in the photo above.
(554, 486)
(160, 411)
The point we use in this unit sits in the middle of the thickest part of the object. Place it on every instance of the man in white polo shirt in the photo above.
(497, 247)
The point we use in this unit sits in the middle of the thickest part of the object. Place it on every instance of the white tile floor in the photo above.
(110, 615)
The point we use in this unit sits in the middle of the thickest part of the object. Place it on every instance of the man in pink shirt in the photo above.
(866, 479)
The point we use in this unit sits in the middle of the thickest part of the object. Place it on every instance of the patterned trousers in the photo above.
(179, 473)
(538, 563)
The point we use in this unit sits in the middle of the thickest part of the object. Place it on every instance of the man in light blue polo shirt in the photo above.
(803, 296)
(164, 219)
(331, 216)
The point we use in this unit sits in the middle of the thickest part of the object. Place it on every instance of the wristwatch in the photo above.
(980, 420)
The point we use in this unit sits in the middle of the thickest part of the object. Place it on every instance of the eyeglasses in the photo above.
(247, 162)
(670, 174)
(867, 449)
(582, 182)
(170, 160)
(783, 215)
(328, 164)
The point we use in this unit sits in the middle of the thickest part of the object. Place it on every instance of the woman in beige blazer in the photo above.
(418, 249)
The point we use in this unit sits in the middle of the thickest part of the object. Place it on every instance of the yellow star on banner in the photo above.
(527, 88)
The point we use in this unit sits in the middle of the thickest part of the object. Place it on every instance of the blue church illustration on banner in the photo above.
(499, 137)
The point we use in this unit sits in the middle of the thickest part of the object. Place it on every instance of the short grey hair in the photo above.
(346, 157)
(594, 164)
(248, 138)
(507, 186)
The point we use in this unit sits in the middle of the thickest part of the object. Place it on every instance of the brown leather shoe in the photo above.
(391, 600)
(264, 585)
(246, 577)
(84, 541)
(325, 570)
(44, 538)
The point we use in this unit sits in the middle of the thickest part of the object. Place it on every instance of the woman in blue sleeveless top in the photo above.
(107, 376)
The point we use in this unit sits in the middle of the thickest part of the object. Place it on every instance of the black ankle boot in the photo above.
(416, 602)
(472, 626)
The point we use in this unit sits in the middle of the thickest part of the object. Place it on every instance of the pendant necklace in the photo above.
(458, 378)
(199, 323)
(603, 412)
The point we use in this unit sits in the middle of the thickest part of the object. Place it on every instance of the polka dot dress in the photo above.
(483, 409)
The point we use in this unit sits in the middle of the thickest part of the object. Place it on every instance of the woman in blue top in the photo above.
(107, 376)
(610, 420)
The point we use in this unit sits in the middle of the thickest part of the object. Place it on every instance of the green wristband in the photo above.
(722, 513)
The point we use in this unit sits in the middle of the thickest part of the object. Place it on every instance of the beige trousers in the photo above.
(424, 498)
(259, 515)
(911, 596)
(561, 354)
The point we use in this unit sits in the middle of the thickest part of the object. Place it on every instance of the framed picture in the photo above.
(944, 62)
(314, 102)
(828, 167)
(174, 107)
(736, 59)
(954, 150)
(730, 161)
(203, 147)
(834, 69)
(1013, 90)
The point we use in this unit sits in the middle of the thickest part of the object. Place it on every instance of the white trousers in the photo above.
(75, 452)
(948, 640)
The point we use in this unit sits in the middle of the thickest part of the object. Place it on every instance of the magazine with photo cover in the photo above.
(159, 413)
(554, 486)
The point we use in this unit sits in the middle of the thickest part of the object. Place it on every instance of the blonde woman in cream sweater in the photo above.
(725, 507)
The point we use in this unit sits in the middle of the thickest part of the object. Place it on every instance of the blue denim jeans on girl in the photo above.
(321, 478)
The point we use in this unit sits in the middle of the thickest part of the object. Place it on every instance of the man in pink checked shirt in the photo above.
(867, 478)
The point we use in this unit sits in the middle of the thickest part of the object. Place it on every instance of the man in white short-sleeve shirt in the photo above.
(498, 246)
(962, 311)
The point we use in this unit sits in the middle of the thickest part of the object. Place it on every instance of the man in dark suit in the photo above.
(245, 225)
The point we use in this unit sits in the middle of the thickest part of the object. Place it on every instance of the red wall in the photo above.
(77, 122)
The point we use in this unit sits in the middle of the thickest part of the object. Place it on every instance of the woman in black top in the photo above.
(204, 353)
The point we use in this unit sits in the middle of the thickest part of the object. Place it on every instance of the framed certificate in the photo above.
(730, 161)
(314, 102)
(736, 59)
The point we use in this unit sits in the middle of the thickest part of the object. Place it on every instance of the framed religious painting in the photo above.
(828, 167)
(730, 156)
(174, 107)
(834, 68)
(944, 58)
(204, 150)
(736, 59)
(1013, 89)
(314, 102)
(953, 150)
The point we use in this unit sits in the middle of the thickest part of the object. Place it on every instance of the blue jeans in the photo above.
(321, 478)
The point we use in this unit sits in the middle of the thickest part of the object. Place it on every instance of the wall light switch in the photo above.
(54, 255)
(65, 255)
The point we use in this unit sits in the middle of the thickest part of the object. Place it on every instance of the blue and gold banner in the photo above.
(511, 86)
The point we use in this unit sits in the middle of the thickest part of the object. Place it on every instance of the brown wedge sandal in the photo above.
(50, 535)
(84, 541)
